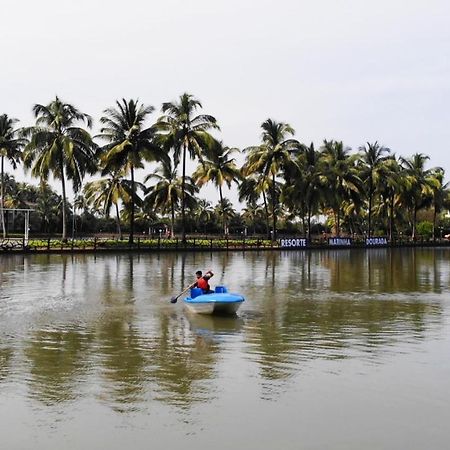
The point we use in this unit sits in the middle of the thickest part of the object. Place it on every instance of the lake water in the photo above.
(331, 350)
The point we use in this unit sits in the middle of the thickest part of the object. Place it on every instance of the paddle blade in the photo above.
(173, 299)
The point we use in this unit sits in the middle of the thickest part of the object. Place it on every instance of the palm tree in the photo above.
(107, 192)
(183, 132)
(204, 213)
(130, 143)
(389, 188)
(341, 178)
(439, 193)
(58, 146)
(11, 146)
(272, 156)
(418, 189)
(372, 159)
(252, 188)
(220, 169)
(225, 211)
(303, 188)
(166, 194)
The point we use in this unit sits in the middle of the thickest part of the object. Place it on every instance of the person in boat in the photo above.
(203, 281)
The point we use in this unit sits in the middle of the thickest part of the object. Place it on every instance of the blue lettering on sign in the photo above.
(376, 241)
(294, 242)
(339, 241)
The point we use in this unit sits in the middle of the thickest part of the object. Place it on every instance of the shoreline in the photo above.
(89, 246)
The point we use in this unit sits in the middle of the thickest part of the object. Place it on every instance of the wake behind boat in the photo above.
(218, 302)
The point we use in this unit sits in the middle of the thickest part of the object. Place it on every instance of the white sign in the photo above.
(340, 241)
(294, 242)
(376, 241)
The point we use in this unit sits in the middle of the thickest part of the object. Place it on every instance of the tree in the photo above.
(219, 169)
(107, 192)
(304, 188)
(11, 145)
(251, 188)
(183, 132)
(417, 187)
(224, 211)
(271, 157)
(371, 169)
(130, 143)
(59, 147)
(166, 194)
(440, 194)
(340, 177)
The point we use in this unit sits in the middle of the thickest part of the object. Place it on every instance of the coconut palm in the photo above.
(11, 145)
(252, 188)
(108, 192)
(304, 189)
(219, 169)
(185, 133)
(271, 157)
(59, 147)
(204, 213)
(166, 194)
(418, 190)
(225, 212)
(373, 156)
(389, 188)
(440, 194)
(130, 143)
(340, 177)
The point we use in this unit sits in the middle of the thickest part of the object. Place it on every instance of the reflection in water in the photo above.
(102, 328)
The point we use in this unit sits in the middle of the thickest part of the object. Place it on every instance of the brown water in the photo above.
(331, 350)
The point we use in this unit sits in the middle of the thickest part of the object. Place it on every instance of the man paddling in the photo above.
(203, 281)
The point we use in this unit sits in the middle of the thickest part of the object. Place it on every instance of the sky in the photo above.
(354, 70)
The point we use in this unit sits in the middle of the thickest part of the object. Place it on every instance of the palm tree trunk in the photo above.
(172, 221)
(370, 215)
(119, 228)
(183, 211)
(223, 212)
(391, 219)
(414, 223)
(266, 208)
(274, 216)
(2, 188)
(133, 200)
(309, 224)
(434, 222)
(63, 184)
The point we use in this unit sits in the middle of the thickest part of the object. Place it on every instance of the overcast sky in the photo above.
(352, 70)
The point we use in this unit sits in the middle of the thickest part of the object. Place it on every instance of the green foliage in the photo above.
(425, 229)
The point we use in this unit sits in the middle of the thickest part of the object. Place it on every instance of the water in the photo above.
(331, 350)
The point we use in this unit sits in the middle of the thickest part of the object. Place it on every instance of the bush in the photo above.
(425, 229)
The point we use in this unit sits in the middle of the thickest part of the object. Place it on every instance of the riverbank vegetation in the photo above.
(286, 186)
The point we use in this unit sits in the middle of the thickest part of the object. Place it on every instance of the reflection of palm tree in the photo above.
(58, 362)
(180, 361)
